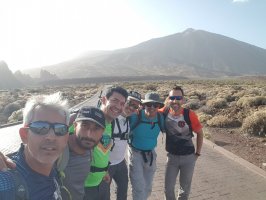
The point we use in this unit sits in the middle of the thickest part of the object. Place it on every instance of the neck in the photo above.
(74, 146)
(176, 112)
(41, 168)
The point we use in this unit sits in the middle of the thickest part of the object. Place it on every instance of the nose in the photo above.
(50, 134)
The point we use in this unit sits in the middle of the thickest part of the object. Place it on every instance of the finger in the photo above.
(10, 163)
(3, 166)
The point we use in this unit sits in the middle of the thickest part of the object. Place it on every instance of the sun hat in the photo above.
(152, 97)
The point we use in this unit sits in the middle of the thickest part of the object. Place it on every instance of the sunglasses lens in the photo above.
(172, 98)
(60, 129)
(155, 105)
(40, 128)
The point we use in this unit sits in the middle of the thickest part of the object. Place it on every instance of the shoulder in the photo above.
(7, 181)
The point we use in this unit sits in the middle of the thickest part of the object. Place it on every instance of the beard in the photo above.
(86, 143)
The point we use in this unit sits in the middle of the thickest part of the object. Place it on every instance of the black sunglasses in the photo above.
(155, 105)
(172, 98)
(43, 127)
(132, 105)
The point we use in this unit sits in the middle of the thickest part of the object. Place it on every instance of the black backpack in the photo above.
(186, 118)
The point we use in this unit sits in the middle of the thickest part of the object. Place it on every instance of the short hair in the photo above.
(117, 89)
(53, 101)
(176, 87)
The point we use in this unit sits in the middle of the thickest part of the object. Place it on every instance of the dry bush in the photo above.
(217, 103)
(16, 116)
(251, 101)
(222, 121)
(207, 110)
(255, 124)
(203, 117)
(10, 108)
(151, 87)
(193, 104)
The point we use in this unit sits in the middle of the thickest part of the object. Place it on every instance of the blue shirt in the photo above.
(144, 136)
(39, 187)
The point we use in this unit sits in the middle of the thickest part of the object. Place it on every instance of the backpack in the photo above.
(140, 120)
(120, 134)
(186, 118)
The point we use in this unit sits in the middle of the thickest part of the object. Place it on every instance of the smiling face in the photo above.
(113, 106)
(88, 133)
(175, 104)
(43, 150)
(131, 107)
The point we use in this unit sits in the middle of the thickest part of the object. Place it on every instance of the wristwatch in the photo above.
(197, 154)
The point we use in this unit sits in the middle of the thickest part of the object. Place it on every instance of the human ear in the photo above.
(23, 132)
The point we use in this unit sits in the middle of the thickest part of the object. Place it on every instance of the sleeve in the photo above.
(7, 186)
(195, 123)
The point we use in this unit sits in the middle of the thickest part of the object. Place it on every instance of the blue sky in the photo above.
(42, 32)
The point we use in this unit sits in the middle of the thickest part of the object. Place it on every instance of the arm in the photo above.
(199, 141)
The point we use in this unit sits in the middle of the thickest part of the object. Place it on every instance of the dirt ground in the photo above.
(252, 149)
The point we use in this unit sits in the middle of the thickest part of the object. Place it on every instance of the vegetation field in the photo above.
(233, 112)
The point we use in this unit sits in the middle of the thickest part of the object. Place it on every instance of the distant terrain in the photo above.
(190, 54)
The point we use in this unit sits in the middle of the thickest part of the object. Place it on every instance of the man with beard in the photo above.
(98, 180)
(179, 124)
(88, 128)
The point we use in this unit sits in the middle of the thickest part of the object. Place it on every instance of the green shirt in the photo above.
(100, 157)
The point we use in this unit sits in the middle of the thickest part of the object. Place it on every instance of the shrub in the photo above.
(217, 103)
(150, 87)
(10, 108)
(193, 104)
(255, 124)
(251, 101)
(16, 116)
(222, 121)
(204, 117)
(207, 110)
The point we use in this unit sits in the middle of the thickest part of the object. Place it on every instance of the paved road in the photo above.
(219, 175)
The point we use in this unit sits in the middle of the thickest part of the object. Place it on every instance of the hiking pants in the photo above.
(175, 164)
(99, 192)
(119, 173)
(141, 173)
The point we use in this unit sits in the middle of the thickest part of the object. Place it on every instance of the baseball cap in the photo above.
(91, 113)
(134, 95)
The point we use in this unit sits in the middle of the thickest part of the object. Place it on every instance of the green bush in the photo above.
(255, 124)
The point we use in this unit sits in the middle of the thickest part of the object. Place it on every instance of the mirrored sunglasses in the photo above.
(155, 105)
(172, 98)
(43, 127)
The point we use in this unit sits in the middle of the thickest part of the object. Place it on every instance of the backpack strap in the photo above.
(138, 120)
(187, 120)
(21, 188)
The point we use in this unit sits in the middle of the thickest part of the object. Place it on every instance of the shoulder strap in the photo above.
(187, 120)
(159, 118)
(62, 161)
(166, 111)
(21, 188)
(138, 121)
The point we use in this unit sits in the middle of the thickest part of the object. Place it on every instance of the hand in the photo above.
(6, 163)
(107, 178)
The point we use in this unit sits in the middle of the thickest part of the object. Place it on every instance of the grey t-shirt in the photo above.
(76, 171)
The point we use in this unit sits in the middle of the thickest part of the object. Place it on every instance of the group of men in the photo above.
(78, 160)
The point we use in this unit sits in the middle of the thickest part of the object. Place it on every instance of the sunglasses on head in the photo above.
(42, 128)
(155, 105)
(132, 105)
(172, 98)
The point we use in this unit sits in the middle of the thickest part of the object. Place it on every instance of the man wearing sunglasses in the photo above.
(179, 124)
(118, 170)
(44, 135)
(145, 128)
